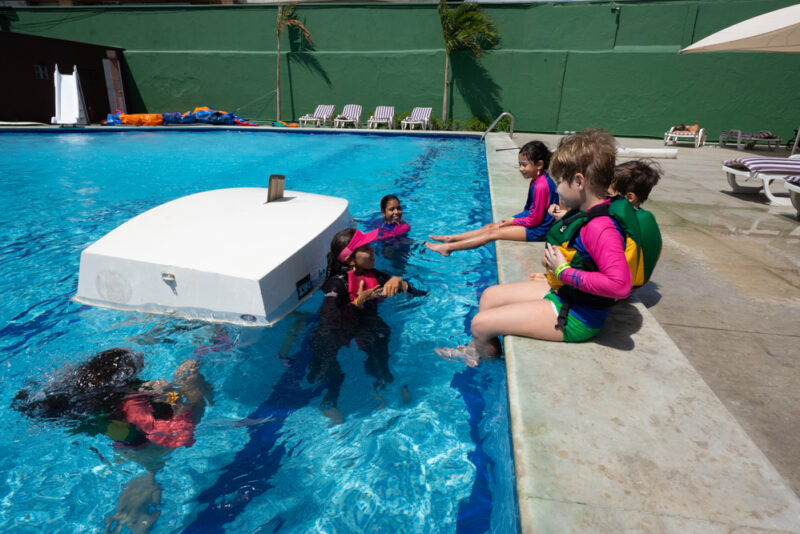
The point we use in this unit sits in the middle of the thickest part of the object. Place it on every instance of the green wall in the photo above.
(559, 66)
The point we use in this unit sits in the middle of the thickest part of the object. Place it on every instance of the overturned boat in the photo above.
(227, 255)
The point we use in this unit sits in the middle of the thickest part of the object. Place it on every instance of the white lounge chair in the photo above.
(382, 115)
(749, 139)
(322, 115)
(765, 170)
(792, 184)
(351, 114)
(419, 117)
(673, 136)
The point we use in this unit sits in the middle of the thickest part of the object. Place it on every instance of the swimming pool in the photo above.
(432, 453)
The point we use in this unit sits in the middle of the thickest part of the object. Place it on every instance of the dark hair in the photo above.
(339, 242)
(589, 152)
(385, 200)
(638, 176)
(92, 387)
(536, 151)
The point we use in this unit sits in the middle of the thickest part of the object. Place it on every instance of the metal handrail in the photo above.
(503, 114)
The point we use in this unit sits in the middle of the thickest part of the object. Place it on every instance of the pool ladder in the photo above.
(503, 114)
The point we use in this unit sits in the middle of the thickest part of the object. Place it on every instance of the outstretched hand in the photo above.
(365, 295)
(505, 222)
(393, 286)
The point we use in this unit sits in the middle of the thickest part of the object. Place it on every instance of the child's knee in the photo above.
(489, 297)
(480, 326)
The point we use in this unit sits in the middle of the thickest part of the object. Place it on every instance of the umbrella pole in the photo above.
(796, 139)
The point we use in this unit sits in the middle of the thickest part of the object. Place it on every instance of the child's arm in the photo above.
(541, 197)
(399, 230)
(605, 245)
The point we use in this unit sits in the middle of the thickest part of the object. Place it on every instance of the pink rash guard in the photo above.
(541, 201)
(603, 240)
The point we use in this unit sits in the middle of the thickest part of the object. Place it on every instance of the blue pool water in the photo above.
(432, 454)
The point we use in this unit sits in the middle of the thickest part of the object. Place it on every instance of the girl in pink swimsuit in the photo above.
(531, 224)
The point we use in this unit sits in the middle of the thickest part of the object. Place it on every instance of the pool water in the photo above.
(429, 453)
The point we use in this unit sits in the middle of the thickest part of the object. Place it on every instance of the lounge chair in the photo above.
(792, 184)
(673, 136)
(321, 116)
(382, 115)
(419, 117)
(351, 114)
(749, 139)
(766, 170)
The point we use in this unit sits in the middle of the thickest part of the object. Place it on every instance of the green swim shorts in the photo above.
(575, 331)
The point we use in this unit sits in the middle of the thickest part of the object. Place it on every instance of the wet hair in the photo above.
(385, 200)
(638, 176)
(338, 244)
(589, 152)
(93, 387)
(536, 151)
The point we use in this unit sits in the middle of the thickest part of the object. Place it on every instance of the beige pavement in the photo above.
(683, 415)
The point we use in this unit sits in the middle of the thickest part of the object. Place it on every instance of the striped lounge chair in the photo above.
(351, 114)
(419, 117)
(792, 184)
(765, 170)
(749, 139)
(382, 115)
(321, 116)
(673, 136)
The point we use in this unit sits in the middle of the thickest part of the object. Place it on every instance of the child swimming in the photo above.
(531, 224)
(596, 275)
(393, 224)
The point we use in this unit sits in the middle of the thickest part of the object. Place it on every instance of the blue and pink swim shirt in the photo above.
(390, 231)
(541, 194)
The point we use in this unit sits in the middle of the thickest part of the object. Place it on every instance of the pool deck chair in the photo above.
(792, 184)
(765, 170)
(749, 139)
(322, 115)
(419, 117)
(351, 114)
(673, 136)
(382, 115)
(70, 106)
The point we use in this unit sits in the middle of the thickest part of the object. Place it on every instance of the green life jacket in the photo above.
(563, 234)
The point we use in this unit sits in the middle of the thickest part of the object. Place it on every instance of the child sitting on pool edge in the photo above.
(531, 224)
(634, 180)
(584, 165)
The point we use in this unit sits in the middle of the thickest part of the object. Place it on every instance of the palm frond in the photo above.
(302, 28)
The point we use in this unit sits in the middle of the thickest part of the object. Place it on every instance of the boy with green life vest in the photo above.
(591, 256)
(634, 180)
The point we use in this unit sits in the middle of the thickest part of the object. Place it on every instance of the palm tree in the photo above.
(286, 18)
(463, 28)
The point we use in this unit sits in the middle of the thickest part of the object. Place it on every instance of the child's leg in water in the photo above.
(517, 309)
(508, 233)
(464, 235)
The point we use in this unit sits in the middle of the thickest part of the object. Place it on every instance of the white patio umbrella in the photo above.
(776, 31)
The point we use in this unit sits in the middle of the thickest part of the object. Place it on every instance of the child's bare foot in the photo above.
(335, 416)
(537, 276)
(406, 395)
(463, 353)
(441, 248)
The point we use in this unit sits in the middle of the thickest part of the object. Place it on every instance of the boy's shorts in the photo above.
(575, 330)
(535, 233)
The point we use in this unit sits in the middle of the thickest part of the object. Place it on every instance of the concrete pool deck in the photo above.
(632, 432)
